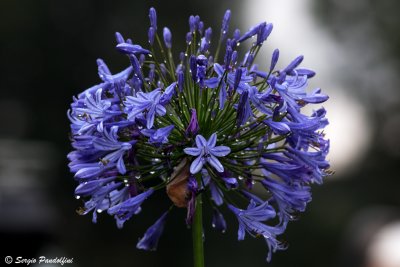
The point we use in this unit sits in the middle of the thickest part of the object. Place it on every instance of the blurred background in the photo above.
(48, 53)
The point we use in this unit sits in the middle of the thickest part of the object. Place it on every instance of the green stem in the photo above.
(197, 230)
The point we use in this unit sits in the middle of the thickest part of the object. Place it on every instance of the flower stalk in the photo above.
(197, 233)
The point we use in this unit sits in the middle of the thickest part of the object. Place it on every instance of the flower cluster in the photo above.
(211, 123)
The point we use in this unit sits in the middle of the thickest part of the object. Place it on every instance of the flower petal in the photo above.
(231, 182)
(220, 151)
(200, 141)
(215, 163)
(196, 165)
(192, 151)
(121, 166)
(212, 141)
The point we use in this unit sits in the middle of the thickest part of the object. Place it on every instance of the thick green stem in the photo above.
(197, 228)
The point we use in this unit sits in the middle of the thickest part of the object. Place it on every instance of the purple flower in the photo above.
(167, 37)
(104, 198)
(125, 210)
(193, 127)
(274, 59)
(88, 171)
(216, 194)
(127, 48)
(136, 66)
(119, 38)
(289, 198)
(251, 220)
(153, 18)
(88, 188)
(218, 221)
(189, 38)
(193, 188)
(150, 239)
(263, 32)
(225, 23)
(262, 29)
(96, 107)
(193, 67)
(109, 142)
(151, 35)
(294, 64)
(181, 80)
(159, 136)
(231, 182)
(244, 109)
(108, 78)
(145, 104)
(192, 24)
(206, 151)
(228, 56)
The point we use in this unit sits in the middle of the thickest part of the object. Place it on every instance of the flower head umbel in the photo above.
(210, 124)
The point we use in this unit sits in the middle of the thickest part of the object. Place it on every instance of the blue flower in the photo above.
(234, 81)
(153, 18)
(159, 136)
(289, 198)
(216, 194)
(151, 34)
(150, 239)
(193, 127)
(251, 220)
(145, 104)
(88, 188)
(218, 221)
(125, 210)
(193, 188)
(109, 142)
(167, 37)
(127, 48)
(95, 107)
(104, 198)
(225, 24)
(88, 171)
(109, 78)
(206, 151)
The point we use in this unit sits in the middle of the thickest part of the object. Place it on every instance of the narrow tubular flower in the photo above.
(205, 126)
(225, 23)
(167, 37)
(153, 18)
(150, 239)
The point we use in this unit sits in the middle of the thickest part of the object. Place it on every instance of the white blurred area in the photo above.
(384, 250)
(297, 32)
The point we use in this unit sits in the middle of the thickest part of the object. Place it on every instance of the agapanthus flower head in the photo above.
(211, 124)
